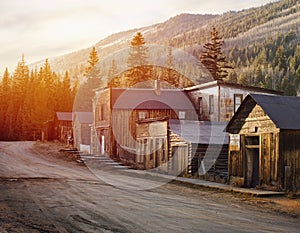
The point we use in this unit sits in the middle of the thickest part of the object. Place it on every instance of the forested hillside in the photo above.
(268, 35)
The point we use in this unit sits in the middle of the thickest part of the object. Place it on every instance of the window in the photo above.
(238, 98)
(200, 105)
(181, 115)
(211, 104)
(142, 115)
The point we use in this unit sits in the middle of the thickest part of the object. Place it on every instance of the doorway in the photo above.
(252, 155)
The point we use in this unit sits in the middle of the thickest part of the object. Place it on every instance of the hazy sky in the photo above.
(45, 28)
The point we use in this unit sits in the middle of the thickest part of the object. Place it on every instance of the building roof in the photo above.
(142, 98)
(64, 116)
(232, 85)
(284, 111)
(84, 117)
(200, 132)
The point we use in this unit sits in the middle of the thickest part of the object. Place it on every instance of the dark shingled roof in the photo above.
(284, 111)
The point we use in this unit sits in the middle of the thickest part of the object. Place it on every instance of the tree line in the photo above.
(30, 98)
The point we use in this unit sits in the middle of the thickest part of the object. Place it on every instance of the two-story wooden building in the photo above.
(120, 113)
(218, 100)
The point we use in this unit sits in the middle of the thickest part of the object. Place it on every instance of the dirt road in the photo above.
(41, 192)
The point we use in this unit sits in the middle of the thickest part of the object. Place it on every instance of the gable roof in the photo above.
(284, 111)
(84, 117)
(64, 116)
(142, 98)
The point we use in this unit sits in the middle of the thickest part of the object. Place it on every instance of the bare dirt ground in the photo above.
(43, 191)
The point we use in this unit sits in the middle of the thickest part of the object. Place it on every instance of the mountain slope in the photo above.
(190, 31)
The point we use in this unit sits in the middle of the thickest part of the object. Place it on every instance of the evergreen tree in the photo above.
(112, 72)
(169, 63)
(20, 89)
(4, 103)
(137, 60)
(67, 98)
(84, 96)
(113, 79)
(168, 74)
(93, 61)
(213, 58)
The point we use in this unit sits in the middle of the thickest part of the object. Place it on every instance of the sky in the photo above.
(42, 29)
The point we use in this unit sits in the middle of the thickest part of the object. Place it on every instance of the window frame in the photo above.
(235, 97)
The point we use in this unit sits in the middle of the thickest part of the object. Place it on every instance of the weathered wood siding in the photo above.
(220, 167)
(102, 113)
(223, 100)
(289, 169)
(180, 155)
(151, 144)
(260, 125)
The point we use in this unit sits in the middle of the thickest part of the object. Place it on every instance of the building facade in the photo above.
(264, 149)
(217, 101)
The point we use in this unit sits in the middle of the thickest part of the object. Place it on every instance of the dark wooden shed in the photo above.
(63, 126)
(264, 148)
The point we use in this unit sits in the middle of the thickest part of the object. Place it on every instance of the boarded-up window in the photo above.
(238, 98)
(211, 104)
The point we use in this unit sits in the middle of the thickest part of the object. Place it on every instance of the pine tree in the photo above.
(138, 54)
(113, 79)
(169, 63)
(85, 94)
(213, 58)
(66, 97)
(93, 61)
(20, 86)
(168, 73)
(4, 103)
(137, 60)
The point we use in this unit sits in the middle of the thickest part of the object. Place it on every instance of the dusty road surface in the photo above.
(42, 192)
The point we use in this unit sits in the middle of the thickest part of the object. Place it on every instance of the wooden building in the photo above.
(151, 149)
(209, 147)
(82, 123)
(217, 101)
(63, 126)
(121, 112)
(264, 148)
